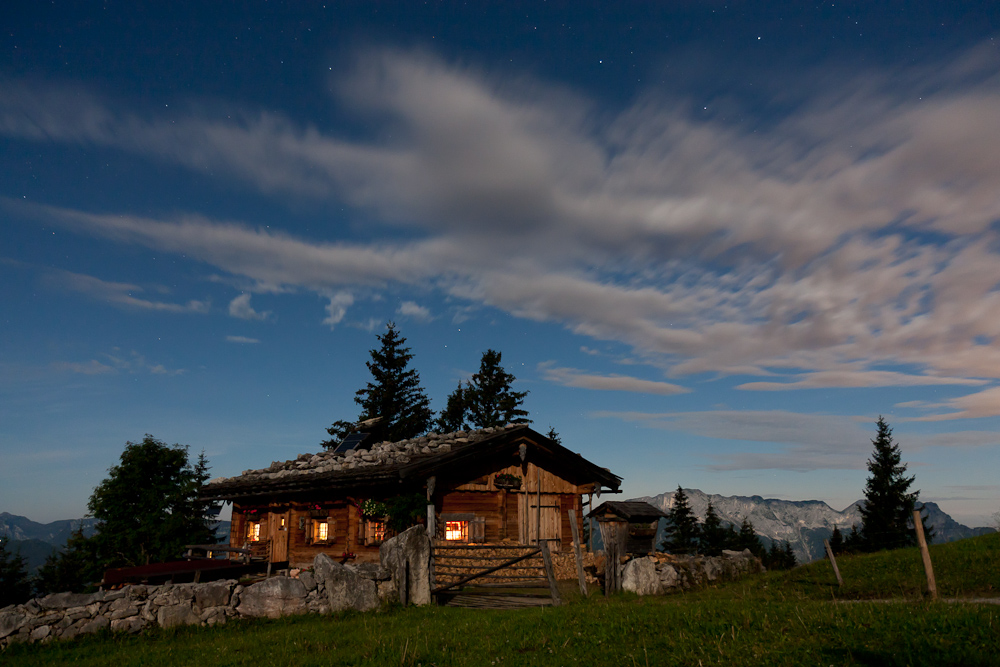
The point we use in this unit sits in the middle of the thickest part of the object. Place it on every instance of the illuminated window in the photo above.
(456, 530)
(374, 531)
(253, 531)
(322, 530)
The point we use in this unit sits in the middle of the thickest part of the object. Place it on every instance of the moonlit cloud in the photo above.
(120, 294)
(414, 310)
(92, 367)
(571, 377)
(240, 307)
(337, 307)
(854, 233)
(985, 403)
(242, 339)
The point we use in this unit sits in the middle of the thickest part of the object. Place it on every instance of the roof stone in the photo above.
(380, 454)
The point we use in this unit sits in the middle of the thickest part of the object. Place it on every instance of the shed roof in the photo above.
(633, 511)
(388, 465)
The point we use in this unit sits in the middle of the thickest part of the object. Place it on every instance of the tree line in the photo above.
(886, 516)
(684, 534)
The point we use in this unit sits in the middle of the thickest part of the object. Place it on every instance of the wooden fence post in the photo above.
(918, 525)
(547, 559)
(833, 561)
(576, 551)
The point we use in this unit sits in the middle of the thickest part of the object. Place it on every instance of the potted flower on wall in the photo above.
(505, 480)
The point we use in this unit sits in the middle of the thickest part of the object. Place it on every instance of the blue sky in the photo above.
(713, 242)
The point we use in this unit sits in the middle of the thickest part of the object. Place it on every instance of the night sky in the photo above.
(714, 241)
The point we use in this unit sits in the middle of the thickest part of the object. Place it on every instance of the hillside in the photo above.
(802, 523)
(55, 533)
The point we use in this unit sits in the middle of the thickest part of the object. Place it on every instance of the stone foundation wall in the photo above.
(659, 574)
(327, 587)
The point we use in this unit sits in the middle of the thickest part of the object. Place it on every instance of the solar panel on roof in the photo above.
(352, 441)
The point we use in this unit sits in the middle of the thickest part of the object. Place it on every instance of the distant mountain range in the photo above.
(37, 541)
(802, 523)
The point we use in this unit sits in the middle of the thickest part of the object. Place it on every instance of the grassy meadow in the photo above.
(799, 617)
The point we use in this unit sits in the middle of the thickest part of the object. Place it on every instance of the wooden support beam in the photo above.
(833, 561)
(576, 552)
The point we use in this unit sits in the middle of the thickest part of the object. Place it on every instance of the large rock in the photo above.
(174, 615)
(274, 597)
(322, 564)
(95, 625)
(407, 556)
(67, 600)
(211, 595)
(640, 577)
(9, 623)
(346, 589)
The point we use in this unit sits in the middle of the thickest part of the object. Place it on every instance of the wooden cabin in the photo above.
(492, 485)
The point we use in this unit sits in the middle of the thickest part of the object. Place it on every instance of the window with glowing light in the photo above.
(456, 530)
(253, 531)
(374, 531)
(322, 530)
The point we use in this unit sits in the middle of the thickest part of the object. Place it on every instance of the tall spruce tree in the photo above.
(713, 535)
(681, 532)
(490, 399)
(75, 568)
(836, 541)
(748, 539)
(453, 417)
(15, 588)
(887, 513)
(394, 395)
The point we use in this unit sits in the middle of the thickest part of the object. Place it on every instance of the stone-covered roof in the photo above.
(630, 510)
(386, 463)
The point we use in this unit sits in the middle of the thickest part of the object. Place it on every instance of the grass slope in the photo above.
(782, 618)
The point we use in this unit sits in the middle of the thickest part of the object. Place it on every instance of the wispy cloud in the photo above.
(337, 307)
(855, 233)
(242, 339)
(117, 362)
(240, 307)
(571, 377)
(984, 403)
(92, 367)
(415, 311)
(119, 294)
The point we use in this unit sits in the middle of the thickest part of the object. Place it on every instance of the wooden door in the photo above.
(278, 530)
(535, 525)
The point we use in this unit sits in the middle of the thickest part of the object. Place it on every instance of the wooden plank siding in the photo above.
(479, 497)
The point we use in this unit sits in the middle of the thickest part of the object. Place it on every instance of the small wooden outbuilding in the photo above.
(640, 520)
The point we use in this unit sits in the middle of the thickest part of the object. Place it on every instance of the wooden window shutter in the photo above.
(477, 529)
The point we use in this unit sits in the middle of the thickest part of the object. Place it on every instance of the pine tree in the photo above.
(553, 435)
(748, 538)
(394, 395)
(75, 568)
(681, 534)
(852, 542)
(713, 535)
(888, 508)
(836, 541)
(773, 559)
(15, 587)
(491, 401)
(455, 414)
(789, 560)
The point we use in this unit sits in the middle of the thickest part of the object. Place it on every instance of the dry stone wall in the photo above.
(659, 574)
(328, 587)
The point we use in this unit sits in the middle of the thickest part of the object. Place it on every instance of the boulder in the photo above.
(640, 577)
(211, 595)
(67, 600)
(345, 589)
(39, 633)
(130, 625)
(9, 623)
(95, 625)
(173, 615)
(372, 571)
(322, 564)
(308, 580)
(407, 557)
(274, 597)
